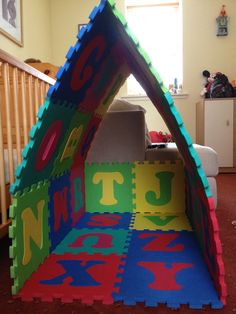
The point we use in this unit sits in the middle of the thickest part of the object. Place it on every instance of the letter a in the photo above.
(72, 143)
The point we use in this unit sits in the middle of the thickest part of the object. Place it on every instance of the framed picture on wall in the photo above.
(11, 20)
(81, 26)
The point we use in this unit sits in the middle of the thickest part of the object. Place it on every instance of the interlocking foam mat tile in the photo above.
(166, 267)
(150, 266)
(161, 221)
(105, 220)
(74, 277)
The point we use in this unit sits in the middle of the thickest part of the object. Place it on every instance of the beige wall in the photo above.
(50, 28)
(66, 15)
(202, 49)
(36, 32)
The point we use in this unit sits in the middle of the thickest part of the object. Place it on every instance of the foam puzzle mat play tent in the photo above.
(131, 232)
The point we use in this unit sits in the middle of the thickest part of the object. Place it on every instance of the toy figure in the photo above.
(209, 78)
(222, 23)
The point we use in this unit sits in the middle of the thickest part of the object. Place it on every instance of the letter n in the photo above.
(60, 207)
(32, 229)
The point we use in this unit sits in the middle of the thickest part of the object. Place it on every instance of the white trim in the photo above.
(144, 97)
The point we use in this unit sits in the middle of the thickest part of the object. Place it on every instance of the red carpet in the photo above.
(226, 214)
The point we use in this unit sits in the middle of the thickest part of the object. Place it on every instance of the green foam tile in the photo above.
(92, 241)
(132, 36)
(24, 172)
(112, 3)
(145, 55)
(156, 75)
(110, 185)
(119, 16)
(26, 258)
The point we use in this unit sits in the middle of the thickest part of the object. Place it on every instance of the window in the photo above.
(158, 26)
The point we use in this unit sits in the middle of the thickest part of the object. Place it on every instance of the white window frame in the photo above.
(133, 87)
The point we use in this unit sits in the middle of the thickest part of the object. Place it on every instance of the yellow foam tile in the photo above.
(176, 222)
(159, 187)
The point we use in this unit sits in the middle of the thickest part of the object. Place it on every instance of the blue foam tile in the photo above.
(129, 302)
(52, 89)
(73, 84)
(81, 32)
(217, 305)
(195, 305)
(89, 26)
(77, 46)
(94, 13)
(179, 245)
(150, 302)
(70, 52)
(102, 5)
(167, 277)
(105, 220)
(173, 305)
(60, 71)
(59, 225)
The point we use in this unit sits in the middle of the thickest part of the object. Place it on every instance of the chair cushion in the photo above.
(120, 138)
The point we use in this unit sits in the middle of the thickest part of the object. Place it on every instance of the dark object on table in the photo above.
(217, 85)
(157, 145)
(221, 87)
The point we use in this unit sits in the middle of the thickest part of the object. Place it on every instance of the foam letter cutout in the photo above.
(102, 108)
(32, 229)
(104, 220)
(161, 242)
(48, 145)
(60, 207)
(161, 220)
(77, 271)
(103, 240)
(165, 178)
(72, 143)
(165, 278)
(108, 179)
(83, 71)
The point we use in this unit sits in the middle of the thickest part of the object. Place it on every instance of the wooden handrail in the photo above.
(6, 57)
(22, 90)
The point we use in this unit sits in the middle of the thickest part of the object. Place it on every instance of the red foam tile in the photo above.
(104, 274)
